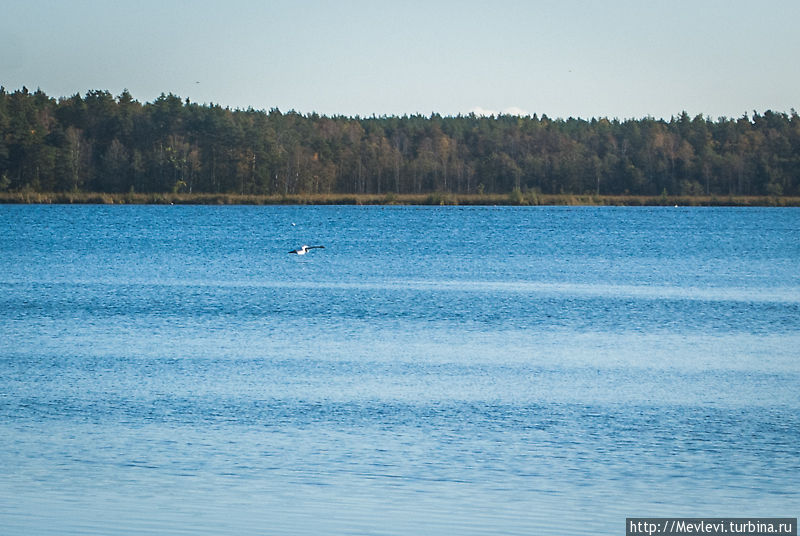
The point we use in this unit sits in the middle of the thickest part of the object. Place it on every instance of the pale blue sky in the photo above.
(625, 59)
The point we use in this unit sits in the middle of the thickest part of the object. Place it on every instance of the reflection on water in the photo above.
(170, 370)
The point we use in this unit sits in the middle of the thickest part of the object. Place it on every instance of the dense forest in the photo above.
(101, 143)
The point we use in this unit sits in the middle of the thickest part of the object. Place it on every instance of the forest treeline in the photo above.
(100, 143)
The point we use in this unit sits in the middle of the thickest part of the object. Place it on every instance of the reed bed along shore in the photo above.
(513, 199)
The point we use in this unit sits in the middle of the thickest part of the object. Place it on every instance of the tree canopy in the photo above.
(101, 143)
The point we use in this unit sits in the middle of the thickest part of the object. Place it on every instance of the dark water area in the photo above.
(447, 370)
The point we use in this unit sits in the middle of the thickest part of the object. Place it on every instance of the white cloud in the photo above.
(477, 110)
(511, 110)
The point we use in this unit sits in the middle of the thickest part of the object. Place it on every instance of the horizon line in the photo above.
(475, 111)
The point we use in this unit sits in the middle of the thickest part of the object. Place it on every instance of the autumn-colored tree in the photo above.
(112, 144)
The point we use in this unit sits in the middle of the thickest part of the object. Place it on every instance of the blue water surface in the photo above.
(450, 370)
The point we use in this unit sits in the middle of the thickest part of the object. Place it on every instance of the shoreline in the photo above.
(430, 199)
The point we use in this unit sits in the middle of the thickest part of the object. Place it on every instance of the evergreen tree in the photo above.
(106, 144)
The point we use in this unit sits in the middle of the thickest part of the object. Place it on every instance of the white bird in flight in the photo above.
(304, 249)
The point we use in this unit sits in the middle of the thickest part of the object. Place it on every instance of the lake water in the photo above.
(173, 370)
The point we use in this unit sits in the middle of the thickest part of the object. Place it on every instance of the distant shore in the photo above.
(513, 199)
